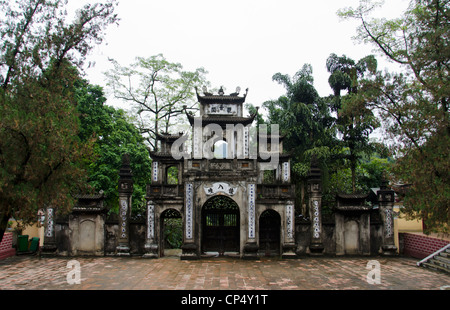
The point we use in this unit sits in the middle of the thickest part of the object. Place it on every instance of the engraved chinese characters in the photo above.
(286, 172)
(189, 210)
(290, 221)
(155, 171)
(251, 210)
(220, 187)
(150, 220)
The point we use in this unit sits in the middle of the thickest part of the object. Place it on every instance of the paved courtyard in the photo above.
(217, 273)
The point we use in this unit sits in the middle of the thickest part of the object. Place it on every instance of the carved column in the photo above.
(189, 247)
(49, 247)
(251, 247)
(125, 192)
(386, 203)
(289, 245)
(315, 208)
(151, 244)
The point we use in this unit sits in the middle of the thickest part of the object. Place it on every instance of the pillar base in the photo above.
(316, 249)
(189, 251)
(389, 250)
(122, 250)
(289, 251)
(48, 250)
(250, 251)
(151, 251)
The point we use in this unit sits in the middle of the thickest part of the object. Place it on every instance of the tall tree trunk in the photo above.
(353, 162)
(353, 176)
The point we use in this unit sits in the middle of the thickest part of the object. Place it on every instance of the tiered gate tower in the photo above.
(233, 191)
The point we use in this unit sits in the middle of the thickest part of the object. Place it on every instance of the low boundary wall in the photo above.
(419, 245)
(6, 248)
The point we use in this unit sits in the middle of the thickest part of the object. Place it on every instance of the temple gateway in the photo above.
(230, 185)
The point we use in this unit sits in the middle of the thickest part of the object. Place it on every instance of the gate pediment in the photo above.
(220, 187)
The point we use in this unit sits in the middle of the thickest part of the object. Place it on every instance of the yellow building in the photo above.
(35, 230)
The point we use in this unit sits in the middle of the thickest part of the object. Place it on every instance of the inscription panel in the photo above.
(251, 210)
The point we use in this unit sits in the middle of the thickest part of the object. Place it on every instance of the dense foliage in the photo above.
(40, 152)
(114, 134)
(414, 104)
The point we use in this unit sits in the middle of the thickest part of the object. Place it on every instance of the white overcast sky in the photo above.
(240, 43)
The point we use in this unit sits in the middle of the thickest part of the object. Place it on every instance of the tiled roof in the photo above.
(221, 120)
(165, 136)
(232, 98)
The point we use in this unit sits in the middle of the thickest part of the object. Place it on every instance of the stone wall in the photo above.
(80, 234)
(138, 228)
(419, 245)
(137, 237)
(6, 248)
(303, 227)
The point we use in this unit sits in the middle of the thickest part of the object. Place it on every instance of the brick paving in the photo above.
(220, 273)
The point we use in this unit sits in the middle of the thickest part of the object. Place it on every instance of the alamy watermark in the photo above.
(241, 142)
(74, 275)
(374, 274)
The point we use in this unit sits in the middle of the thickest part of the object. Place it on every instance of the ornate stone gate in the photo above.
(232, 190)
(221, 189)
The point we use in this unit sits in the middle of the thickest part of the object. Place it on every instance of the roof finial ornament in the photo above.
(238, 90)
(205, 91)
(221, 92)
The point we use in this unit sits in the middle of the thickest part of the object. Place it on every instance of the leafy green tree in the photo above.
(414, 104)
(370, 171)
(40, 152)
(114, 135)
(355, 121)
(305, 120)
(157, 90)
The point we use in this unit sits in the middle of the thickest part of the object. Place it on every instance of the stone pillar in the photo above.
(49, 247)
(189, 247)
(151, 244)
(315, 209)
(364, 233)
(125, 192)
(386, 203)
(339, 232)
(251, 247)
(289, 245)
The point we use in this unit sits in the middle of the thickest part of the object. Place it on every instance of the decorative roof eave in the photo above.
(353, 208)
(81, 209)
(210, 98)
(161, 155)
(169, 137)
(95, 196)
(352, 196)
(221, 120)
(89, 203)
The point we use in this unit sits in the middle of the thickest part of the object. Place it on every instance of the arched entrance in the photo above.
(269, 232)
(171, 231)
(220, 225)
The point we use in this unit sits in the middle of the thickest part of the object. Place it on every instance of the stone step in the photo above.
(443, 258)
(440, 261)
(436, 267)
